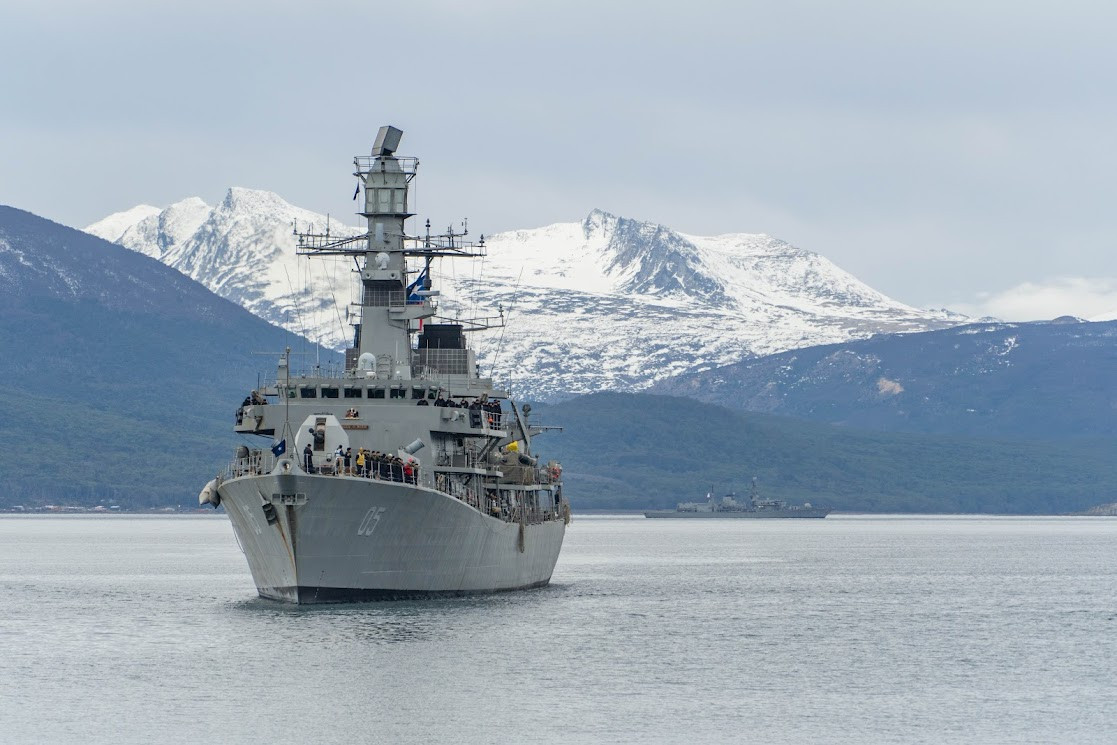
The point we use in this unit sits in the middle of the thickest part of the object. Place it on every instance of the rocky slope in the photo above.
(1048, 381)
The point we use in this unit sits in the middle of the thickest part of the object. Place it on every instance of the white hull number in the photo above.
(371, 520)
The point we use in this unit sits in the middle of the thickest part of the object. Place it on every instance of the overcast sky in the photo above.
(956, 154)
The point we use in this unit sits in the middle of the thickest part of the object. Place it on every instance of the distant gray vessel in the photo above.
(401, 474)
(729, 507)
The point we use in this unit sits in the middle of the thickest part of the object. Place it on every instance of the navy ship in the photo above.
(729, 507)
(404, 473)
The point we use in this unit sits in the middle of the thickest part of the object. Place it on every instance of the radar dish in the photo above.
(387, 140)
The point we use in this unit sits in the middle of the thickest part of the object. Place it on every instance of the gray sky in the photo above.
(954, 154)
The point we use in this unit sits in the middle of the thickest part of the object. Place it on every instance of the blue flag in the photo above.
(279, 448)
(414, 287)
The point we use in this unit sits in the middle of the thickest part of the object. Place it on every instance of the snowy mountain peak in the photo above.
(605, 303)
(254, 202)
(113, 226)
(598, 221)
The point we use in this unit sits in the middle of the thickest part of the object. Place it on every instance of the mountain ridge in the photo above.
(122, 373)
(1039, 380)
(604, 303)
(123, 378)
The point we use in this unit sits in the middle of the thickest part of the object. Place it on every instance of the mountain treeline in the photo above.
(640, 450)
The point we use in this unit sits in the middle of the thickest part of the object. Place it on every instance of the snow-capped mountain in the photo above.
(605, 303)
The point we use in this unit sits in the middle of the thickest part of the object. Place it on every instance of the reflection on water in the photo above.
(390, 621)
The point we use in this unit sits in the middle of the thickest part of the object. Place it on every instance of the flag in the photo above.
(414, 287)
(279, 448)
(356, 192)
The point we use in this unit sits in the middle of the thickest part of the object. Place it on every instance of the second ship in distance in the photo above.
(729, 507)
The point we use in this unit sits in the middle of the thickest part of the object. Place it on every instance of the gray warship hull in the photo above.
(805, 512)
(343, 539)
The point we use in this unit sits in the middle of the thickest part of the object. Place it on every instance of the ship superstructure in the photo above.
(405, 472)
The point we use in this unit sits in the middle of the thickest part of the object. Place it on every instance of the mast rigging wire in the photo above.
(507, 322)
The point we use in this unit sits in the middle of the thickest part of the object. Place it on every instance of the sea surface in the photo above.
(852, 629)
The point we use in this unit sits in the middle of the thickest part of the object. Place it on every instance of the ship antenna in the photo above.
(500, 341)
(287, 397)
(298, 309)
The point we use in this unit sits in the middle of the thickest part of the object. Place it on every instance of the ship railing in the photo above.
(492, 503)
(371, 296)
(434, 361)
(459, 460)
(375, 471)
(257, 462)
(366, 163)
(311, 242)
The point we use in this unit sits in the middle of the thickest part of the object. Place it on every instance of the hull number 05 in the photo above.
(371, 520)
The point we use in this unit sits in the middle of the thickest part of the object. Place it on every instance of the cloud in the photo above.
(1085, 297)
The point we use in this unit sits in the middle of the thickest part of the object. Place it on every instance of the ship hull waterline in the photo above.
(334, 539)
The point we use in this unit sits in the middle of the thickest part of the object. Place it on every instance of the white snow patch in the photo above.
(113, 227)
(888, 387)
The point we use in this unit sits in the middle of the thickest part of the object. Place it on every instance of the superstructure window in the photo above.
(376, 393)
(329, 392)
(398, 392)
(308, 392)
(351, 392)
(418, 392)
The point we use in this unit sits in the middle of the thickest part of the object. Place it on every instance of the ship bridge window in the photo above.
(418, 392)
(351, 392)
(432, 393)
(329, 392)
(308, 392)
(389, 200)
(398, 392)
(376, 393)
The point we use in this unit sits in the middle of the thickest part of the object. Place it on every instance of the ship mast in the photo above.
(388, 305)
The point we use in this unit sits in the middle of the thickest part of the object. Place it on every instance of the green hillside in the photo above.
(633, 450)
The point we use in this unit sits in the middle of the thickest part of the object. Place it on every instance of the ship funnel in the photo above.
(414, 447)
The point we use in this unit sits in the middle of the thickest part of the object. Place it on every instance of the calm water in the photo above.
(849, 629)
